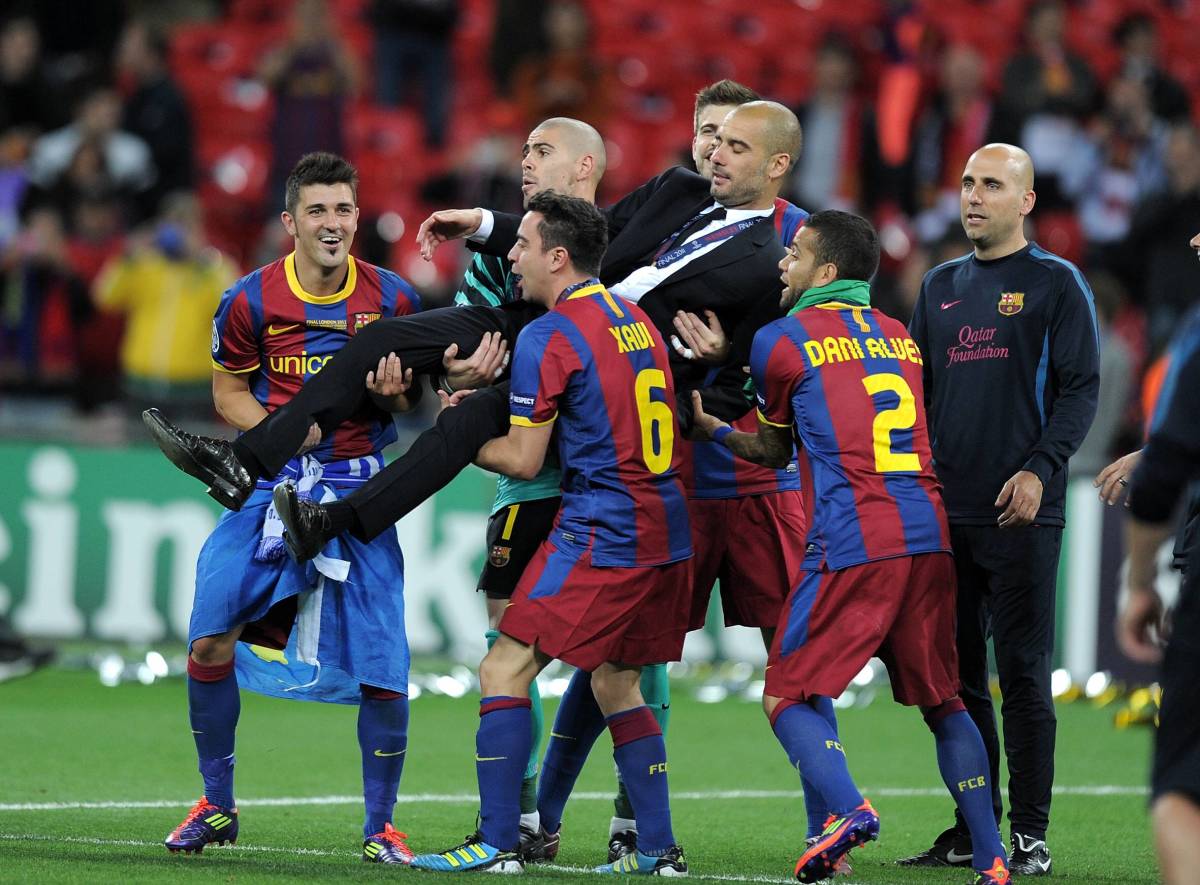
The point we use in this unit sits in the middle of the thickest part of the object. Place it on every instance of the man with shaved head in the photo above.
(1011, 366)
(565, 156)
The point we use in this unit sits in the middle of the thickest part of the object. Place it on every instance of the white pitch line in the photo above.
(139, 843)
(271, 849)
(472, 798)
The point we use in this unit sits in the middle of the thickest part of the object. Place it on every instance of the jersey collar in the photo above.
(289, 269)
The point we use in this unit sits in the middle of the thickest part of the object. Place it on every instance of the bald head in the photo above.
(997, 194)
(1016, 161)
(780, 128)
(579, 139)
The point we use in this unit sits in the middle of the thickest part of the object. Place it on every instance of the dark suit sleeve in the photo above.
(619, 214)
(504, 232)
(1075, 362)
(502, 238)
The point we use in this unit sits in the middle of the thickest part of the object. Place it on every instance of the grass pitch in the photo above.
(92, 779)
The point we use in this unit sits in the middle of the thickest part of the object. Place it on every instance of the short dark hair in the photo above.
(574, 224)
(722, 92)
(319, 167)
(847, 241)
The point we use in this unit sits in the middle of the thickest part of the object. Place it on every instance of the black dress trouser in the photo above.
(1006, 591)
(336, 392)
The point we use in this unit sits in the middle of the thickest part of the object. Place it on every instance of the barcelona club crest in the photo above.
(361, 319)
(1011, 303)
(499, 554)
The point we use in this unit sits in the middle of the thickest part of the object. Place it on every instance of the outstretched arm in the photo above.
(771, 446)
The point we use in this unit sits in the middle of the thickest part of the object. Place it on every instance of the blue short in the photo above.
(349, 632)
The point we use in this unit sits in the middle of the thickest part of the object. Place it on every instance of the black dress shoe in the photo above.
(211, 461)
(306, 525)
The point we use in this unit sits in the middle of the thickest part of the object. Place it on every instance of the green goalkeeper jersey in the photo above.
(489, 281)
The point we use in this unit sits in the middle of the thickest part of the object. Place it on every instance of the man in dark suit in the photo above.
(676, 243)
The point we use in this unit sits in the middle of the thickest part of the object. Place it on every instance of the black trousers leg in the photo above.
(974, 628)
(339, 389)
(434, 458)
(1023, 568)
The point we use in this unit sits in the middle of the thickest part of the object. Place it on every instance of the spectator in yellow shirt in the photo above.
(168, 285)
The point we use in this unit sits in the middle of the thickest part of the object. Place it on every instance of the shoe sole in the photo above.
(671, 872)
(820, 865)
(511, 866)
(283, 496)
(199, 849)
(218, 489)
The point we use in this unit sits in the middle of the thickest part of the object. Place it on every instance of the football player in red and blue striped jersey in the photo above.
(608, 591)
(846, 382)
(273, 331)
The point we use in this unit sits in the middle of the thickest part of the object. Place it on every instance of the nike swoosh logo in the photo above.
(279, 330)
(946, 305)
(565, 737)
(479, 758)
(953, 856)
(397, 753)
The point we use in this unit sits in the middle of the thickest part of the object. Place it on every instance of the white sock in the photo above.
(621, 825)
(532, 821)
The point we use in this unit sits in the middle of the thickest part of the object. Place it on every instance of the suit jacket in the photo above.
(738, 280)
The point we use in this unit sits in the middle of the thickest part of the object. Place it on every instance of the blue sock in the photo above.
(578, 723)
(641, 757)
(963, 763)
(383, 740)
(501, 751)
(814, 803)
(813, 749)
(214, 705)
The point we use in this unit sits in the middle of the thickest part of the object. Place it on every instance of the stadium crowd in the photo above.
(143, 156)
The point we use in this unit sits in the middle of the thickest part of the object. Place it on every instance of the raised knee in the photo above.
(213, 651)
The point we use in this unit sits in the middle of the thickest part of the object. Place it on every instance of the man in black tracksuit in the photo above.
(1170, 459)
(1008, 336)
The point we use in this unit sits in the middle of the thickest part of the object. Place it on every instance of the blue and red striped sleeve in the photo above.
(236, 327)
(776, 367)
(543, 362)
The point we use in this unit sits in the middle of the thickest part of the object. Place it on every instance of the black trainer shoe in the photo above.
(950, 849)
(306, 525)
(209, 460)
(621, 844)
(1030, 856)
(538, 846)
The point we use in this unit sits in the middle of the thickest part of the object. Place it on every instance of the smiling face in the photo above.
(704, 141)
(997, 194)
(324, 225)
